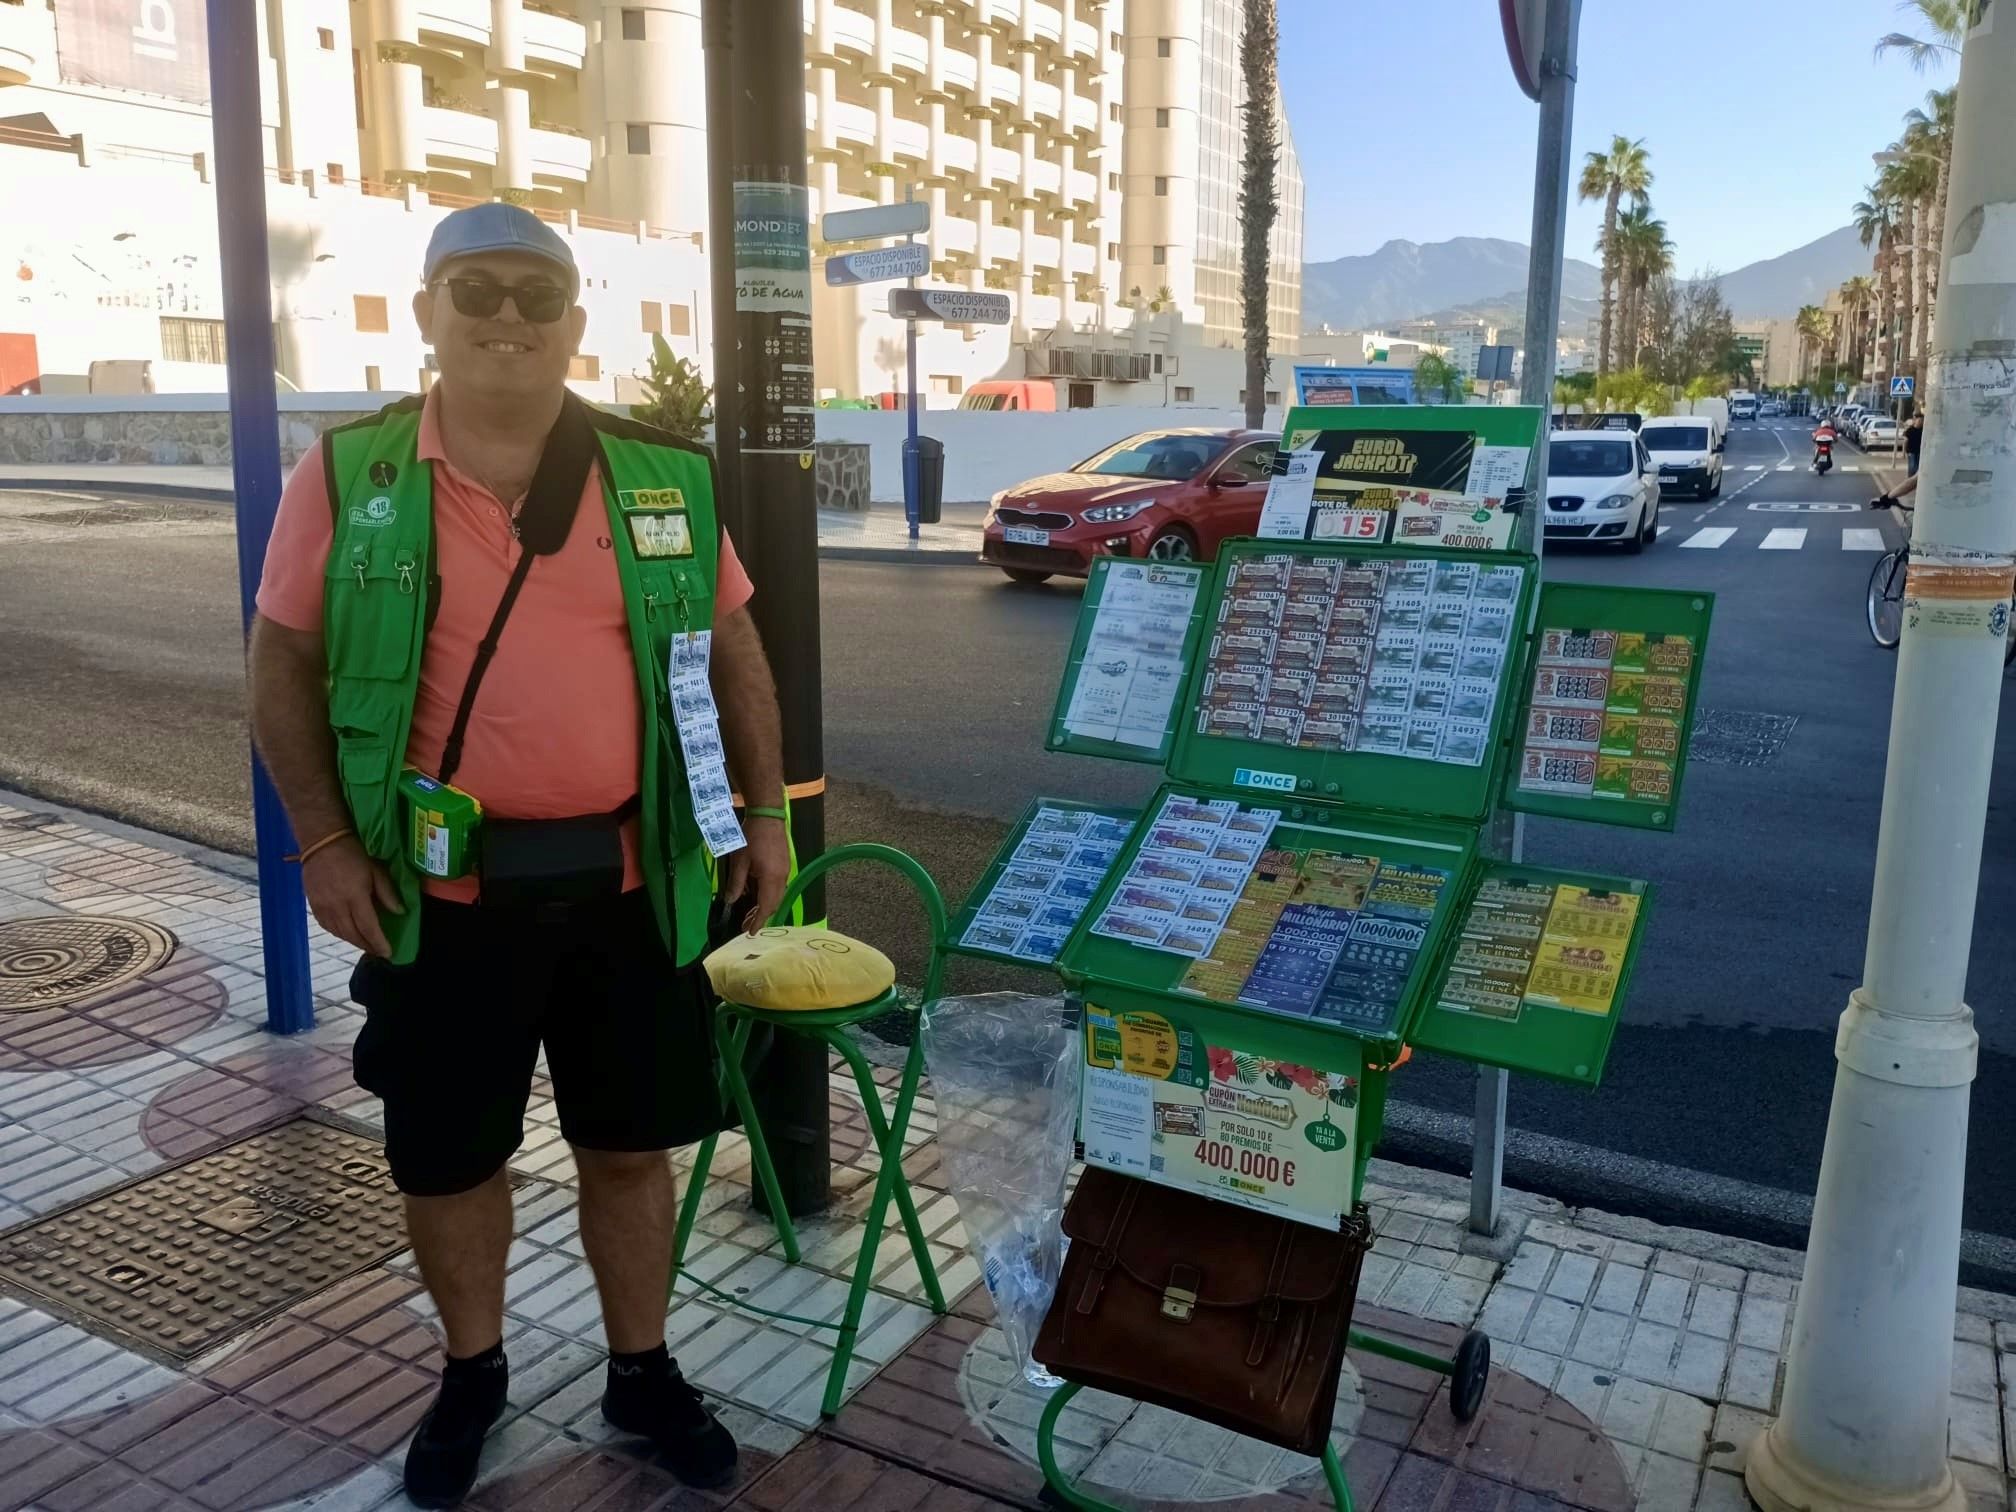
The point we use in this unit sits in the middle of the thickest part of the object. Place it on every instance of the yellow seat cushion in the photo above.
(795, 967)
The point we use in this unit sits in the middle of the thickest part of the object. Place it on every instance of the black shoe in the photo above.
(655, 1402)
(441, 1460)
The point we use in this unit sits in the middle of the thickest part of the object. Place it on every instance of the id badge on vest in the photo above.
(699, 724)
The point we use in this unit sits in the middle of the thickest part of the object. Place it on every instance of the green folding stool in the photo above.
(733, 1024)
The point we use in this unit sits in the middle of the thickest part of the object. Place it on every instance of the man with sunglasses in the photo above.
(491, 591)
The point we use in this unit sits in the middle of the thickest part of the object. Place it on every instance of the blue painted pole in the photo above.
(238, 139)
(913, 466)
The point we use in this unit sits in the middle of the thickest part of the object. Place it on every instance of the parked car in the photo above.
(1169, 494)
(1880, 433)
(1602, 487)
(1687, 453)
(1848, 419)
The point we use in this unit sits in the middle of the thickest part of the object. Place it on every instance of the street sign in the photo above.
(1525, 23)
(958, 306)
(904, 218)
(1840, 388)
(1902, 386)
(911, 260)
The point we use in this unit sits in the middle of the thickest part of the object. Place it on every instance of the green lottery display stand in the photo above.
(1338, 706)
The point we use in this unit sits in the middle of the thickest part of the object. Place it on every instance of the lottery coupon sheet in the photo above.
(1176, 1105)
(699, 726)
(1047, 884)
(1323, 935)
(1392, 658)
(1193, 865)
(1606, 715)
(1133, 663)
(1527, 943)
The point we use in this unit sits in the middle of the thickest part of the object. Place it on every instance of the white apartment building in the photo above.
(1072, 151)
(1459, 340)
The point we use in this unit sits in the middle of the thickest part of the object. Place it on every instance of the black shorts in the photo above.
(449, 1042)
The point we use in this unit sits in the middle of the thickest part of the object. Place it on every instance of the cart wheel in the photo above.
(1466, 1382)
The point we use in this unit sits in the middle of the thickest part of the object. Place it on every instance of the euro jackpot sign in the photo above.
(1437, 460)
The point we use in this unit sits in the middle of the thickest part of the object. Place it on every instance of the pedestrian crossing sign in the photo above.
(1901, 386)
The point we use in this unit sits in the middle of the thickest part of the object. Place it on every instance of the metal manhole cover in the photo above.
(1735, 738)
(57, 961)
(178, 1262)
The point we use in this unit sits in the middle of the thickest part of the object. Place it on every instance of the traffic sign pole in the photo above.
(912, 464)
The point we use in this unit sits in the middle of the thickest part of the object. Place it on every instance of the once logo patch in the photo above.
(651, 498)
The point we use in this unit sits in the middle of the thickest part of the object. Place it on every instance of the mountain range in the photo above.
(1473, 277)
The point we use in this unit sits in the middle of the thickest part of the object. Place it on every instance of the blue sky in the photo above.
(1760, 116)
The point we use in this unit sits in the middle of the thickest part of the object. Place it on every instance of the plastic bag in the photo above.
(1004, 1072)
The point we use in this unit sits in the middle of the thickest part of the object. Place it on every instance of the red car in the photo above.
(1170, 494)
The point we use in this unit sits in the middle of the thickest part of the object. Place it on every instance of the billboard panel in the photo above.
(153, 46)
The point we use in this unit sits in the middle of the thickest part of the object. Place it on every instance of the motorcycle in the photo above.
(1823, 457)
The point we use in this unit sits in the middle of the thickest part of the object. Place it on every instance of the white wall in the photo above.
(987, 451)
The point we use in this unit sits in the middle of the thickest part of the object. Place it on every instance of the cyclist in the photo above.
(1903, 491)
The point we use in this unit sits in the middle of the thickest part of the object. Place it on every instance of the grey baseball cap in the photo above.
(498, 227)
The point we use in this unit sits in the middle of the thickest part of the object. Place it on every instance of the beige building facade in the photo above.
(1072, 152)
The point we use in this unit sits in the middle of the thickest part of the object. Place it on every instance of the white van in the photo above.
(1687, 453)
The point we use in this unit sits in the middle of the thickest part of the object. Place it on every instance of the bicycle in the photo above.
(1885, 603)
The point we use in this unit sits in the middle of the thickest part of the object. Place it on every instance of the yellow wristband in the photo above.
(778, 814)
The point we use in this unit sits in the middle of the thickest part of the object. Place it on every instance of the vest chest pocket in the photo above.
(374, 601)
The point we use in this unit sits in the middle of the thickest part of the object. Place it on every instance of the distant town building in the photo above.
(1071, 157)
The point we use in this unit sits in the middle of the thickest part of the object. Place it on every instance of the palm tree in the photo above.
(1913, 181)
(1946, 23)
(1857, 295)
(1259, 199)
(1931, 131)
(1814, 327)
(1609, 176)
(1876, 221)
(1643, 254)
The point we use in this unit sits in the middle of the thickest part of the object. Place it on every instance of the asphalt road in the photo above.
(119, 674)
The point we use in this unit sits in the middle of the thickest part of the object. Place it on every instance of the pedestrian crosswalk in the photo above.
(1778, 538)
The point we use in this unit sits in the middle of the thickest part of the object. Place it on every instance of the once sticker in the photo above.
(651, 498)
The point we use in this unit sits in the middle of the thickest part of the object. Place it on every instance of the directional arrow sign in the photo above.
(904, 218)
(911, 260)
(1901, 386)
(959, 306)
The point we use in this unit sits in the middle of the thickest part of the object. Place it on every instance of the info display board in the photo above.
(1041, 880)
(1609, 703)
(1122, 688)
(1251, 1117)
(1368, 675)
(1535, 975)
(1307, 914)
(1453, 476)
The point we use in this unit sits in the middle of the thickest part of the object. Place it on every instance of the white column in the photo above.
(1863, 1421)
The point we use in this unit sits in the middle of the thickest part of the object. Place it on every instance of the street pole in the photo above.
(239, 154)
(913, 494)
(1551, 168)
(756, 97)
(717, 44)
(1863, 1422)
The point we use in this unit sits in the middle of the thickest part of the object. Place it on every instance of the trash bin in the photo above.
(924, 460)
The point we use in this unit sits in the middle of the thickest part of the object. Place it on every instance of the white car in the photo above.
(1687, 453)
(1601, 486)
(1879, 433)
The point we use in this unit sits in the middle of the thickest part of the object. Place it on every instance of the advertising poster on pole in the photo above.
(773, 315)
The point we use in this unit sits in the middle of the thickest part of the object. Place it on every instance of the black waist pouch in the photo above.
(526, 863)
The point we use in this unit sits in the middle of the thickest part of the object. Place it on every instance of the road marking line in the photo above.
(1783, 539)
(1861, 538)
(1664, 528)
(1710, 538)
(1755, 467)
(1851, 467)
(1785, 467)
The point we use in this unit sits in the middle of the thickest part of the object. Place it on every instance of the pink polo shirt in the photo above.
(557, 729)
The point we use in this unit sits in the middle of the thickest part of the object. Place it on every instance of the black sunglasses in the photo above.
(480, 298)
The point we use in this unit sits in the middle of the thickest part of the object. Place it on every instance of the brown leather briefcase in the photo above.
(1232, 1316)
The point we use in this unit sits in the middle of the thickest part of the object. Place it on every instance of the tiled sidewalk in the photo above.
(1633, 1363)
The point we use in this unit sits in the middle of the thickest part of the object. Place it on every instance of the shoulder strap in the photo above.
(542, 529)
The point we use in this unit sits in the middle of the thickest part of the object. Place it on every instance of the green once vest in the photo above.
(659, 492)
